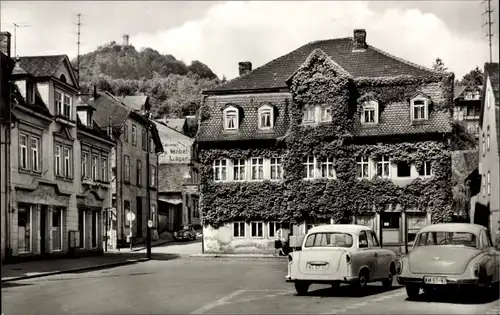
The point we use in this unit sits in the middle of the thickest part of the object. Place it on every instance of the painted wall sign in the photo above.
(175, 152)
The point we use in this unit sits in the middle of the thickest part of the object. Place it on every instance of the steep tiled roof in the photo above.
(170, 177)
(175, 123)
(41, 66)
(94, 130)
(212, 128)
(136, 102)
(107, 106)
(458, 89)
(371, 62)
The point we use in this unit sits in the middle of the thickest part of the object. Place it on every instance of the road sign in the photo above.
(130, 216)
(150, 223)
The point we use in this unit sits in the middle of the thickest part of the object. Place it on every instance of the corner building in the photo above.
(336, 131)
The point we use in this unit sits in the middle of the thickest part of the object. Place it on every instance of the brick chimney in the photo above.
(5, 43)
(244, 67)
(359, 39)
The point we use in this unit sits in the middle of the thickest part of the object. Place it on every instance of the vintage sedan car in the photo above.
(449, 255)
(186, 233)
(340, 253)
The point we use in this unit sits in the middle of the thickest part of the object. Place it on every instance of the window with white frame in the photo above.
(484, 143)
(104, 169)
(309, 115)
(326, 114)
(220, 170)
(425, 169)
(276, 168)
(257, 229)
(327, 170)
(57, 231)
(85, 164)
(67, 162)
(57, 160)
(239, 169)
(23, 151)
(153, 215)
(488, 183)
(483, 180)
(95, 159)
(231, 118)
(265, 117)
(370, 113)
(35, 154)
(383, 167)
(488, 138)
(362, 167)
(139, 173)
(153, 176)
(134, 135)
(273, 228)
(126, 171)
(257, 168)
(310, 167)
(419, 110)
(63, 104)
(238, 229)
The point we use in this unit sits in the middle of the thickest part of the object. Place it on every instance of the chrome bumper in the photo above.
(312, 280)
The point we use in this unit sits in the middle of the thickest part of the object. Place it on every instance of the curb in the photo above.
(260, 256)
(88, 268)
(155, 245)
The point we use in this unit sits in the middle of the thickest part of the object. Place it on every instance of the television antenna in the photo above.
(16, 25)
(489, 23)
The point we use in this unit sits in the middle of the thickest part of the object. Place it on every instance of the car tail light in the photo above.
(348, 258)
(399, 267)
(476, 270)
(290, 258)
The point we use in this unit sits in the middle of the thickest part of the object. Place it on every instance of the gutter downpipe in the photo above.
(148, 186)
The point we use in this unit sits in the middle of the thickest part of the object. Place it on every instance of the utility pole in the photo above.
(489, 23)
(16, 25)
(78, 50)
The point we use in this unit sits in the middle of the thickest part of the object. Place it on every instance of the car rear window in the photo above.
(446, 238)
(329, 239)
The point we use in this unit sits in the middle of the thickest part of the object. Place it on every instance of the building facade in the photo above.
(336, 131)
(486, 204)
(178, 178)
(134, 165)
(467, 107)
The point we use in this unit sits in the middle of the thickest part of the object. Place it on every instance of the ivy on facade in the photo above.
(322, 82)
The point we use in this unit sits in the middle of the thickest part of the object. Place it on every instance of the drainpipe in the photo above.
(8, 254)
(148, 188)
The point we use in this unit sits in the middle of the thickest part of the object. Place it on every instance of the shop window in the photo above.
(390, 220)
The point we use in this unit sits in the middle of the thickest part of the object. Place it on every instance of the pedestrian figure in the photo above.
(283, 237)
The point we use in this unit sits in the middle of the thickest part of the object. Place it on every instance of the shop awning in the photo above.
(172, 201)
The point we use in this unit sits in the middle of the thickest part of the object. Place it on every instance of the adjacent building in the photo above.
(467, 99)
(178, 176)
(134, 166)
(486, 200)
(334, 131)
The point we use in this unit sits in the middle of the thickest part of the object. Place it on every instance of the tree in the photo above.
(475, 76)
(439, 65)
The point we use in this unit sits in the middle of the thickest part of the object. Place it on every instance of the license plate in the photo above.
(316, 267)
(434, 280)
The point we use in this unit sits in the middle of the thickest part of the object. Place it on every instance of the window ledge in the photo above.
(30, 172)
(64, 120)
(419, 121)
(369, 125)
(66, 179)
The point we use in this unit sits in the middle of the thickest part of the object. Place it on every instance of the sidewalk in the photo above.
(34, 269)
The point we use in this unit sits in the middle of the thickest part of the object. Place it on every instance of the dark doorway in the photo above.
(482, 215)
(138, 216)
(81, 226)
(43, 229)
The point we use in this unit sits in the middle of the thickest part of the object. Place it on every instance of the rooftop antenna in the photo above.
(16, 25)
(78, 50)
(489, 23)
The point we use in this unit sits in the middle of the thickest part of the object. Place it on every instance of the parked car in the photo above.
(187, 232)
(449, 255)
(340, 253)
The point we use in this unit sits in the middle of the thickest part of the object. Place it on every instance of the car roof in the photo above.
(453, 227)
(343, 228)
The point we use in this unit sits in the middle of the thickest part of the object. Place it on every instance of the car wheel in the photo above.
(387, 283)
(360, 285)
(301, 288)
(412, 291)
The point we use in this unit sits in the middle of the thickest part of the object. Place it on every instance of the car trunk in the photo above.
(320, 261)
(448, 260)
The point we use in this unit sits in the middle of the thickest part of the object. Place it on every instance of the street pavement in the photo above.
(171, 284)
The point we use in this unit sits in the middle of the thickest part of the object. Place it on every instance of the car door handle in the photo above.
(376, 255)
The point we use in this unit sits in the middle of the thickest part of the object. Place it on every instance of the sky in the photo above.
(223, 33)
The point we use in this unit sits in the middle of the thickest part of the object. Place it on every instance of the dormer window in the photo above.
(231, 118)
(419, 109)
(326, 114)
(370, 113)
(309, 115)
(63, 103)
(266, 118)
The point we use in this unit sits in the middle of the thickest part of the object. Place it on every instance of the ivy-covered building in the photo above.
(336, 131)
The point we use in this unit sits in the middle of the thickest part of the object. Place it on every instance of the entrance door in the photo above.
(482, 215)
(43, 228)
(138, 216)
(390, 225)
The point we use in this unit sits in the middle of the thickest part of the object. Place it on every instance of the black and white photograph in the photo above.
(250, 157)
